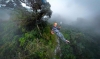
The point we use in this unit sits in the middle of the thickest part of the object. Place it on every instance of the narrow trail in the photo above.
(57, 51)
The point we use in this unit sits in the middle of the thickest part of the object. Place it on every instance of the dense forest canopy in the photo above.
(25, 33)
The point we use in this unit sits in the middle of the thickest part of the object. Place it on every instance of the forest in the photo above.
(26, 34)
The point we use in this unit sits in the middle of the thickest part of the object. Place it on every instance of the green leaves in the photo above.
(22, 41)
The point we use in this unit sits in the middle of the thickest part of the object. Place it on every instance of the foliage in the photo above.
(25, 37)
(20, 41)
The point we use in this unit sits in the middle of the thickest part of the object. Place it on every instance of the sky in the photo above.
(70, 10)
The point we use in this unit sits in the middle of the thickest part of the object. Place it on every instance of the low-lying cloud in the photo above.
(80, 13)
(5, 14)
(69, 9)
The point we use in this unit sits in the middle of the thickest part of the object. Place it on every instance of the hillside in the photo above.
(26, 35)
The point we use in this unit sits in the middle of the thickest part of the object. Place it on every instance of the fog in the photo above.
(5, 14)
(70, 10)
(79, 13)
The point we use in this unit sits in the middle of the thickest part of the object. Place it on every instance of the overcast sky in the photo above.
(73, 9)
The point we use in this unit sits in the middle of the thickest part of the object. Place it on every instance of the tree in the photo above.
(10, 4)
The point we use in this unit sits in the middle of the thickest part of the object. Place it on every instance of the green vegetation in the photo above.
(84, 44)
(22, 37)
